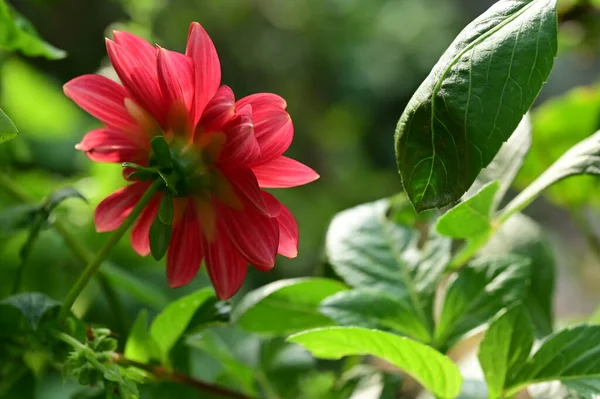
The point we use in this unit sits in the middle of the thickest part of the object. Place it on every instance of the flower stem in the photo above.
(114, 238)
(161, 373)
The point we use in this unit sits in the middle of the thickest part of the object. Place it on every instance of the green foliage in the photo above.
(473, 100)
(430, 368)
(168, 326)
(160, 237)
(521, 235)
(558, 124)
(140, 347)
(32, 305)
(504, 349)
(285, 306)
(581, 159)
(7, 129)
(17, 34)
(478, 292)
(369, 249)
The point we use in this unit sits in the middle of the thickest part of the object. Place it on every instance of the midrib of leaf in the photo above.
(408, 283)
(438, 85)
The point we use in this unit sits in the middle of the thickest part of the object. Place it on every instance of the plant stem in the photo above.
(114, 238)
(161, 373)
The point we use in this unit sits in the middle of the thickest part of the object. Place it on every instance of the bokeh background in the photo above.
(347, 68)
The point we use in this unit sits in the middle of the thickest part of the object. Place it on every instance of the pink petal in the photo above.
(226, 267)
(254, 234)
(288, 233)
(103, 145)
(115, 208)
(255, 99)
(241, 146)
(185, 252)
(273, 129)
(140, 239)
(283, 172)
(139, 49)
(176, 77)
(207, 66)
(247, 187)
(273, 205)
(138, 75)
(219, 110)
(102, 98)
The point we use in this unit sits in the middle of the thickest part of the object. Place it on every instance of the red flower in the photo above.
(229, 151)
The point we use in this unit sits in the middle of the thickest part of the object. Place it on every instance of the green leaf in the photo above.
(473, 100)
(7, 129)
(58, 196)
(165, 210)
(568, 355)
(507, 163)
(521, 235)
(160, 237)
(470, 218)
(17, 34)
(140, 345)
(558, 124)
(170, 324)
(430, 368)
(32, 305)
(368, 249)
(583, 158)
(161, 151)
(504, 348)
(369, 308)
(478, 292)
(285, 306)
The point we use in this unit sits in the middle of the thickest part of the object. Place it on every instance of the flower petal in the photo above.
(102, 98)
(283, 172)
(288, 233)
(140, 234)
(138, 75)
(226, 267)
(103, 145)
(115, 208)
(254, 234)
(185, 252)
(241, 146)
(176, 78)
(273, 129)
(218, 111)
(207, 66)
(255, 99)
(139, 49)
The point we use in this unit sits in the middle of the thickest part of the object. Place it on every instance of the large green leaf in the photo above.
(470, 218)
(504, 349)
(140, 346)
(430, 368)
(32, 305)
(473, 99)
(581, 159)
(369, 249)
(521, 235)
(478, 292)
(168, 326)
(366, 307)
(17, 34)
(558, 124)
(285, 306)
(570, 355)
(8, 130)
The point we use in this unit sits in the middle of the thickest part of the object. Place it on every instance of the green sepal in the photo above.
(160, 236)
(165, 210)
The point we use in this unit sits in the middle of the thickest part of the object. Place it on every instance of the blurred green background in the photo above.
(347, 68)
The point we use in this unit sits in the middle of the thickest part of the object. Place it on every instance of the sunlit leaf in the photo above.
(285, 306)
(168, 326)
(7, 129)
(504, 349)
(140, 346)
(473, 100)
(430, 368)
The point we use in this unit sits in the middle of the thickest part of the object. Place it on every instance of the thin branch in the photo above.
(161, 373)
